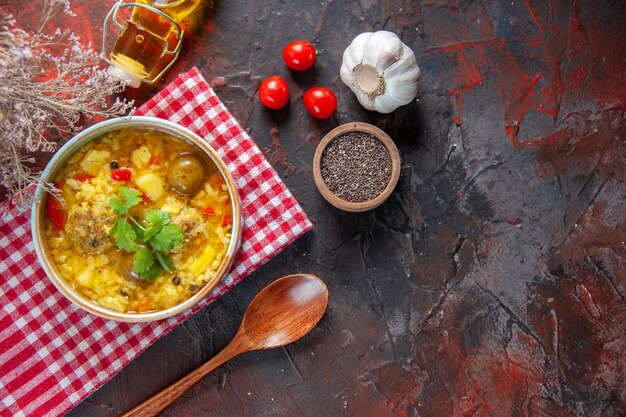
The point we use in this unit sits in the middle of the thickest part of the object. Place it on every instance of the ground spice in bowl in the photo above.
(356, 166)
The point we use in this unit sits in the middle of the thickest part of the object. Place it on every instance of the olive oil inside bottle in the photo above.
(144, 38)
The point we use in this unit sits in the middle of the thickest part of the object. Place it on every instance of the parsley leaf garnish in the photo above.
(167, 238)
(130, 198)
(149, 239)
(155, 270)
(143, 261)
(165, 262)
(124, 235)
(157, 220)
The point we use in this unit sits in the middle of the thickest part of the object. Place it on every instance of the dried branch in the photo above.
(51, 8)
(48, 83)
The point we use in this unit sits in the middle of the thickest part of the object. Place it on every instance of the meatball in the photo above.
(191, 223)
(89, 230)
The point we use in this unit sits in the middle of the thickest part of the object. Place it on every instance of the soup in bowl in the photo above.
(145, 223)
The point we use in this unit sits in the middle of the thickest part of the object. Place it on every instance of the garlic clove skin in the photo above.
(381, 71)
(353, 56)
(382, 49)
(401, 81)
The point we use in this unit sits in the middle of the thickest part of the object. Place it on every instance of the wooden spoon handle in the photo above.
(153, 405)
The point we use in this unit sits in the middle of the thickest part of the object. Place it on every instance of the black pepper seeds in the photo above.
(356, 167)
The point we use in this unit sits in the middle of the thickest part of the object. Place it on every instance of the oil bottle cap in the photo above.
(130, 79)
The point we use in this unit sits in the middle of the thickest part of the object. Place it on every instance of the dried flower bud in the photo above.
(46, 88)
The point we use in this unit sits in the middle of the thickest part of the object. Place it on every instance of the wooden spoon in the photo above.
(281, 313)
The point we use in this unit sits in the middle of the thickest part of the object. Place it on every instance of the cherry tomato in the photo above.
(55, 212)
(274, 92)
(121, 174)
(299, 55)
(320, 102)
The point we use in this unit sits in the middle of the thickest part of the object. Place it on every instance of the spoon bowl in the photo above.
(285, 310)
(281, 313)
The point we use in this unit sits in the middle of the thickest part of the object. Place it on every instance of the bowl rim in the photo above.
(76, 143)
(395, 167)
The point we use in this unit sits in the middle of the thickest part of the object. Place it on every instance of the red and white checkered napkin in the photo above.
(52, 354)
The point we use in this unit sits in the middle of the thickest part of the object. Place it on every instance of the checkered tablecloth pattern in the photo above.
(52, 354)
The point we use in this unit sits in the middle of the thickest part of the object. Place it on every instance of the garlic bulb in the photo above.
(380, 70)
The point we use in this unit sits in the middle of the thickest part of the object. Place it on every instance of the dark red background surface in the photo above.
(492, 282)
